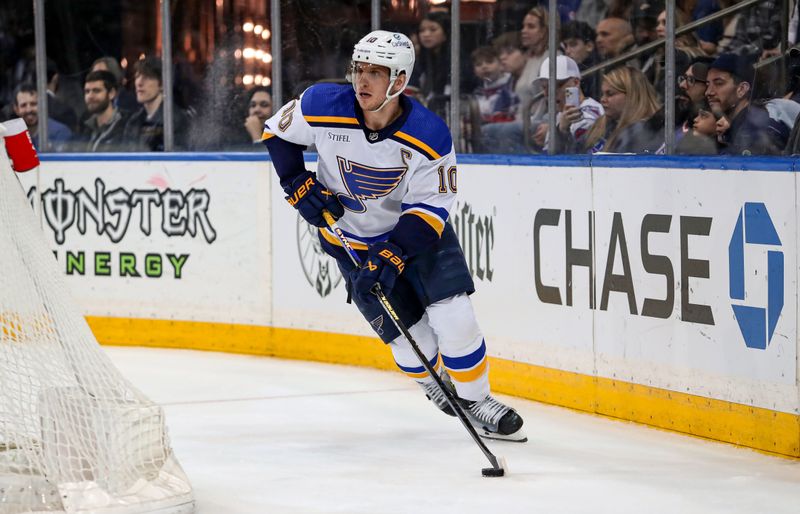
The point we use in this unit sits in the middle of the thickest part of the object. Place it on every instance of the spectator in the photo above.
(686, 50)
(757, 31)
(57, 108)
(709, 34)
(431, 73)
(144, 130)
(645, 20)
(702, 138)
(752, 131)
(629, 101)
(125, 100)
(104, 129)
(573, 121)
(534, 35)
(258, 112)
(614, 38)
(690, 94)
(694, 81)
(533, 38)
(496, 99)
(26, 106)
(506, 137)
(577, 41)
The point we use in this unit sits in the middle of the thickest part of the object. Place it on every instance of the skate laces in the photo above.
(488, 410)
(435, 394)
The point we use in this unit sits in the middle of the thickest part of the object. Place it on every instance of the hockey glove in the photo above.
(311, 197)
(383, 264)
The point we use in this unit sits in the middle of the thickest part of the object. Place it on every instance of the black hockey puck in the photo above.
(493, 472)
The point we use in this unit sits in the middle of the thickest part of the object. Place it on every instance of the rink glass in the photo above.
(221, 49)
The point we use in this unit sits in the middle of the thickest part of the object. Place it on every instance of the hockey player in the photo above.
(387, 172)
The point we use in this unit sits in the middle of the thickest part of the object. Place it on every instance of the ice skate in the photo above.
(495, 420)
(436, 395)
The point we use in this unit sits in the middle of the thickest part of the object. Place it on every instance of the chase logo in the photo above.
(756, 322)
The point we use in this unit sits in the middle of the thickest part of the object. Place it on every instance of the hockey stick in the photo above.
(498, 465)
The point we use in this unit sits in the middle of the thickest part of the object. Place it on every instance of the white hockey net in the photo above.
(75, 436)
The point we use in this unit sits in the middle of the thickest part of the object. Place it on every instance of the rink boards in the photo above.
(659, 290)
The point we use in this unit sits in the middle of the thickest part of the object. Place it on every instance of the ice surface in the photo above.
(259, 435)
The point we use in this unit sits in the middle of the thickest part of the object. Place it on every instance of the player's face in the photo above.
(96, 96)
(27, 108)
(431, 34)
(578, 49)
(705, 124)
(261, 106)
(371, 82)
(147, 89)
(613, 101)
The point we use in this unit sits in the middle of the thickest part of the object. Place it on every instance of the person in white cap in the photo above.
(387, 172)
(576, 113)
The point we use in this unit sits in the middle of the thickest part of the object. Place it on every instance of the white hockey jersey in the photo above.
(407, 168)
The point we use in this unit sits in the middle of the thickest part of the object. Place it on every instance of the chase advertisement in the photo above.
(680, 279)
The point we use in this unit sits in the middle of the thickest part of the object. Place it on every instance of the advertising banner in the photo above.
(183, 240)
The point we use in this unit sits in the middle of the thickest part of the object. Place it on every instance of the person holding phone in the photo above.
(575, 112)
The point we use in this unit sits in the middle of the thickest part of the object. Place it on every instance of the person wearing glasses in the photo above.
(693, 82)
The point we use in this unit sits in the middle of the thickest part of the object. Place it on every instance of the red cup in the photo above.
(19, 146)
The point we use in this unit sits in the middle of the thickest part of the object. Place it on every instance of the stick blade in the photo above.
(499, 471)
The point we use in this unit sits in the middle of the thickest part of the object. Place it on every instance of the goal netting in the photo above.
(75, 435)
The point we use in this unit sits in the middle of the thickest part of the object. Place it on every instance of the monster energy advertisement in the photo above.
(178, 230)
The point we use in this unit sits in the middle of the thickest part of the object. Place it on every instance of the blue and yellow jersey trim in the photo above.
(425, 132)
(469, 367)
(419, 372)
(416, 144)
(357, 242)
(266, 135)
(435, 217)
(332, 121)
(329, 105)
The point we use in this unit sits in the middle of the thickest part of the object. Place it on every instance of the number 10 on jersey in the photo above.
(446, 179)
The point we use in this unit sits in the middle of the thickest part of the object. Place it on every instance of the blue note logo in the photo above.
(364, 182)
(756, 322)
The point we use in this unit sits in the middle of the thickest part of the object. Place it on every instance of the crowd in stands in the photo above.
(114, 118)
(736, 93)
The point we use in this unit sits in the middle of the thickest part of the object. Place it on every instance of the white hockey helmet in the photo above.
(383, 48)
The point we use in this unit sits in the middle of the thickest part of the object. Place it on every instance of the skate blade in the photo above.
(517, 437)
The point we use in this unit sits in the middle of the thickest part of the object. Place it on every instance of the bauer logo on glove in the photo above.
(310, 197)
(382, 266)
(301, 191)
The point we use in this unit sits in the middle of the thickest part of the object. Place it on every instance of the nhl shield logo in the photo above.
(373, 136)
